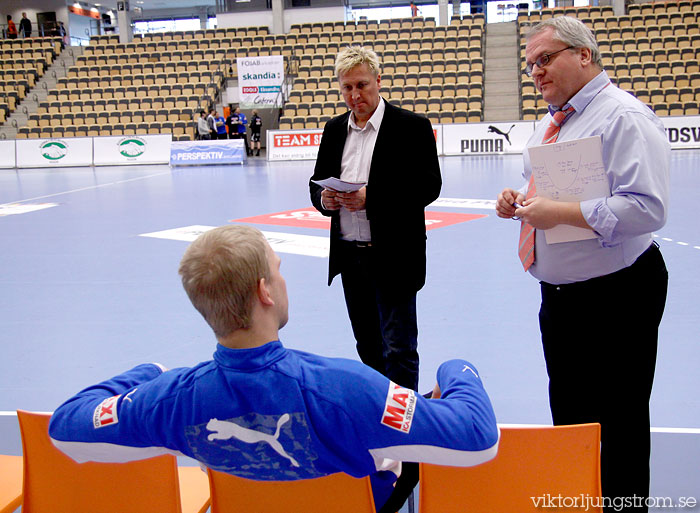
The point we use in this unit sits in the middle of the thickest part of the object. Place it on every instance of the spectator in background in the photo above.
(203, 129)
(255, 127)
(232, 124)
(25, 25)
(11, 28)
(243, 130)
(414, 10)
(211, 121)
(63, 34)
(220, 126)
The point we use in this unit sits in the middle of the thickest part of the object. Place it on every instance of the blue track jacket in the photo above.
(270, 413)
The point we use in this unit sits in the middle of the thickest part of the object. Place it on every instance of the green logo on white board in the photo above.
(53, 150)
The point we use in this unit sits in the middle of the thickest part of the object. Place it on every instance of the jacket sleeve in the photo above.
(98, 424)
(429, 167)
(320, 170)
(315, 193)
(459, 429)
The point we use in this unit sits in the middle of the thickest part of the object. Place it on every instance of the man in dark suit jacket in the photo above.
(378, 233)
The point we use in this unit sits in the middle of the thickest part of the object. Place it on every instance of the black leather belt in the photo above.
(358, 243)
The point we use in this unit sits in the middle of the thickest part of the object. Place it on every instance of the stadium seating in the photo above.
(421, 65)
(22, 63)
(183, 72)
(652, 52)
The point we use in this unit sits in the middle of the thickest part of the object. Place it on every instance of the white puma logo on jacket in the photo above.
(223, 430)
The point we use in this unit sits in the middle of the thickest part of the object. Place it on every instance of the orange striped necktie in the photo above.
(526, 244)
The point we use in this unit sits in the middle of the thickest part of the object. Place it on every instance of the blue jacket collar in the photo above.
(250, 359)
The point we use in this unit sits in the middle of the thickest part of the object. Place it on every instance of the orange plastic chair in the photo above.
(534, 466)
(10, 483)
(54, 482)
(337, 493)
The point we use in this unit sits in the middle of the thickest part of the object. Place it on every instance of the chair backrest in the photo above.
(534, 466)
(337, 493)
(54, 482)
(10, 483)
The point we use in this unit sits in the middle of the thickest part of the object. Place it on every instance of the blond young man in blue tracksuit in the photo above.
(261, 411)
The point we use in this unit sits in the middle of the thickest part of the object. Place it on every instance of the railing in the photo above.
(51, 29)
(79, 41)
(290, 73)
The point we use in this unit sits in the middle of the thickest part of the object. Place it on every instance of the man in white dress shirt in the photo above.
(378, 232)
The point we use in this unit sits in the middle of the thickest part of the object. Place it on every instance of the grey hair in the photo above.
(353, 56)
(571, 32)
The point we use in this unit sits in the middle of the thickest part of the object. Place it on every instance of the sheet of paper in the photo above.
(569, 171)
(338, 185)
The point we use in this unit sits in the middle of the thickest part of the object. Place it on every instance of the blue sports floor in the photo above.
(83, 296)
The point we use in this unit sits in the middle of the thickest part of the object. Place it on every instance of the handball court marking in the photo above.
(91, 187)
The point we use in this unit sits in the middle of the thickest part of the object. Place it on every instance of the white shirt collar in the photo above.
(375, 121)
(586, 94)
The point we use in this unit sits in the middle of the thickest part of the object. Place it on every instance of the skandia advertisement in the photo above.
(196, 153)
(260, 81)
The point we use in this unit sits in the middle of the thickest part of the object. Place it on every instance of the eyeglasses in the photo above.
(543, 60)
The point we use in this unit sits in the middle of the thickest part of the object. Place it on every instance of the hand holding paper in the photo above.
(329, 199)
(545, 214)
(337, 185)
(353, 201)
(570, 171)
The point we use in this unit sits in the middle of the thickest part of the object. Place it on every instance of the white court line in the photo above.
(486, 204)
(14, 413)
(309, 245)
(686, 431)
(18, 209)
(691, 431)
(666, 239)
(85, 189)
